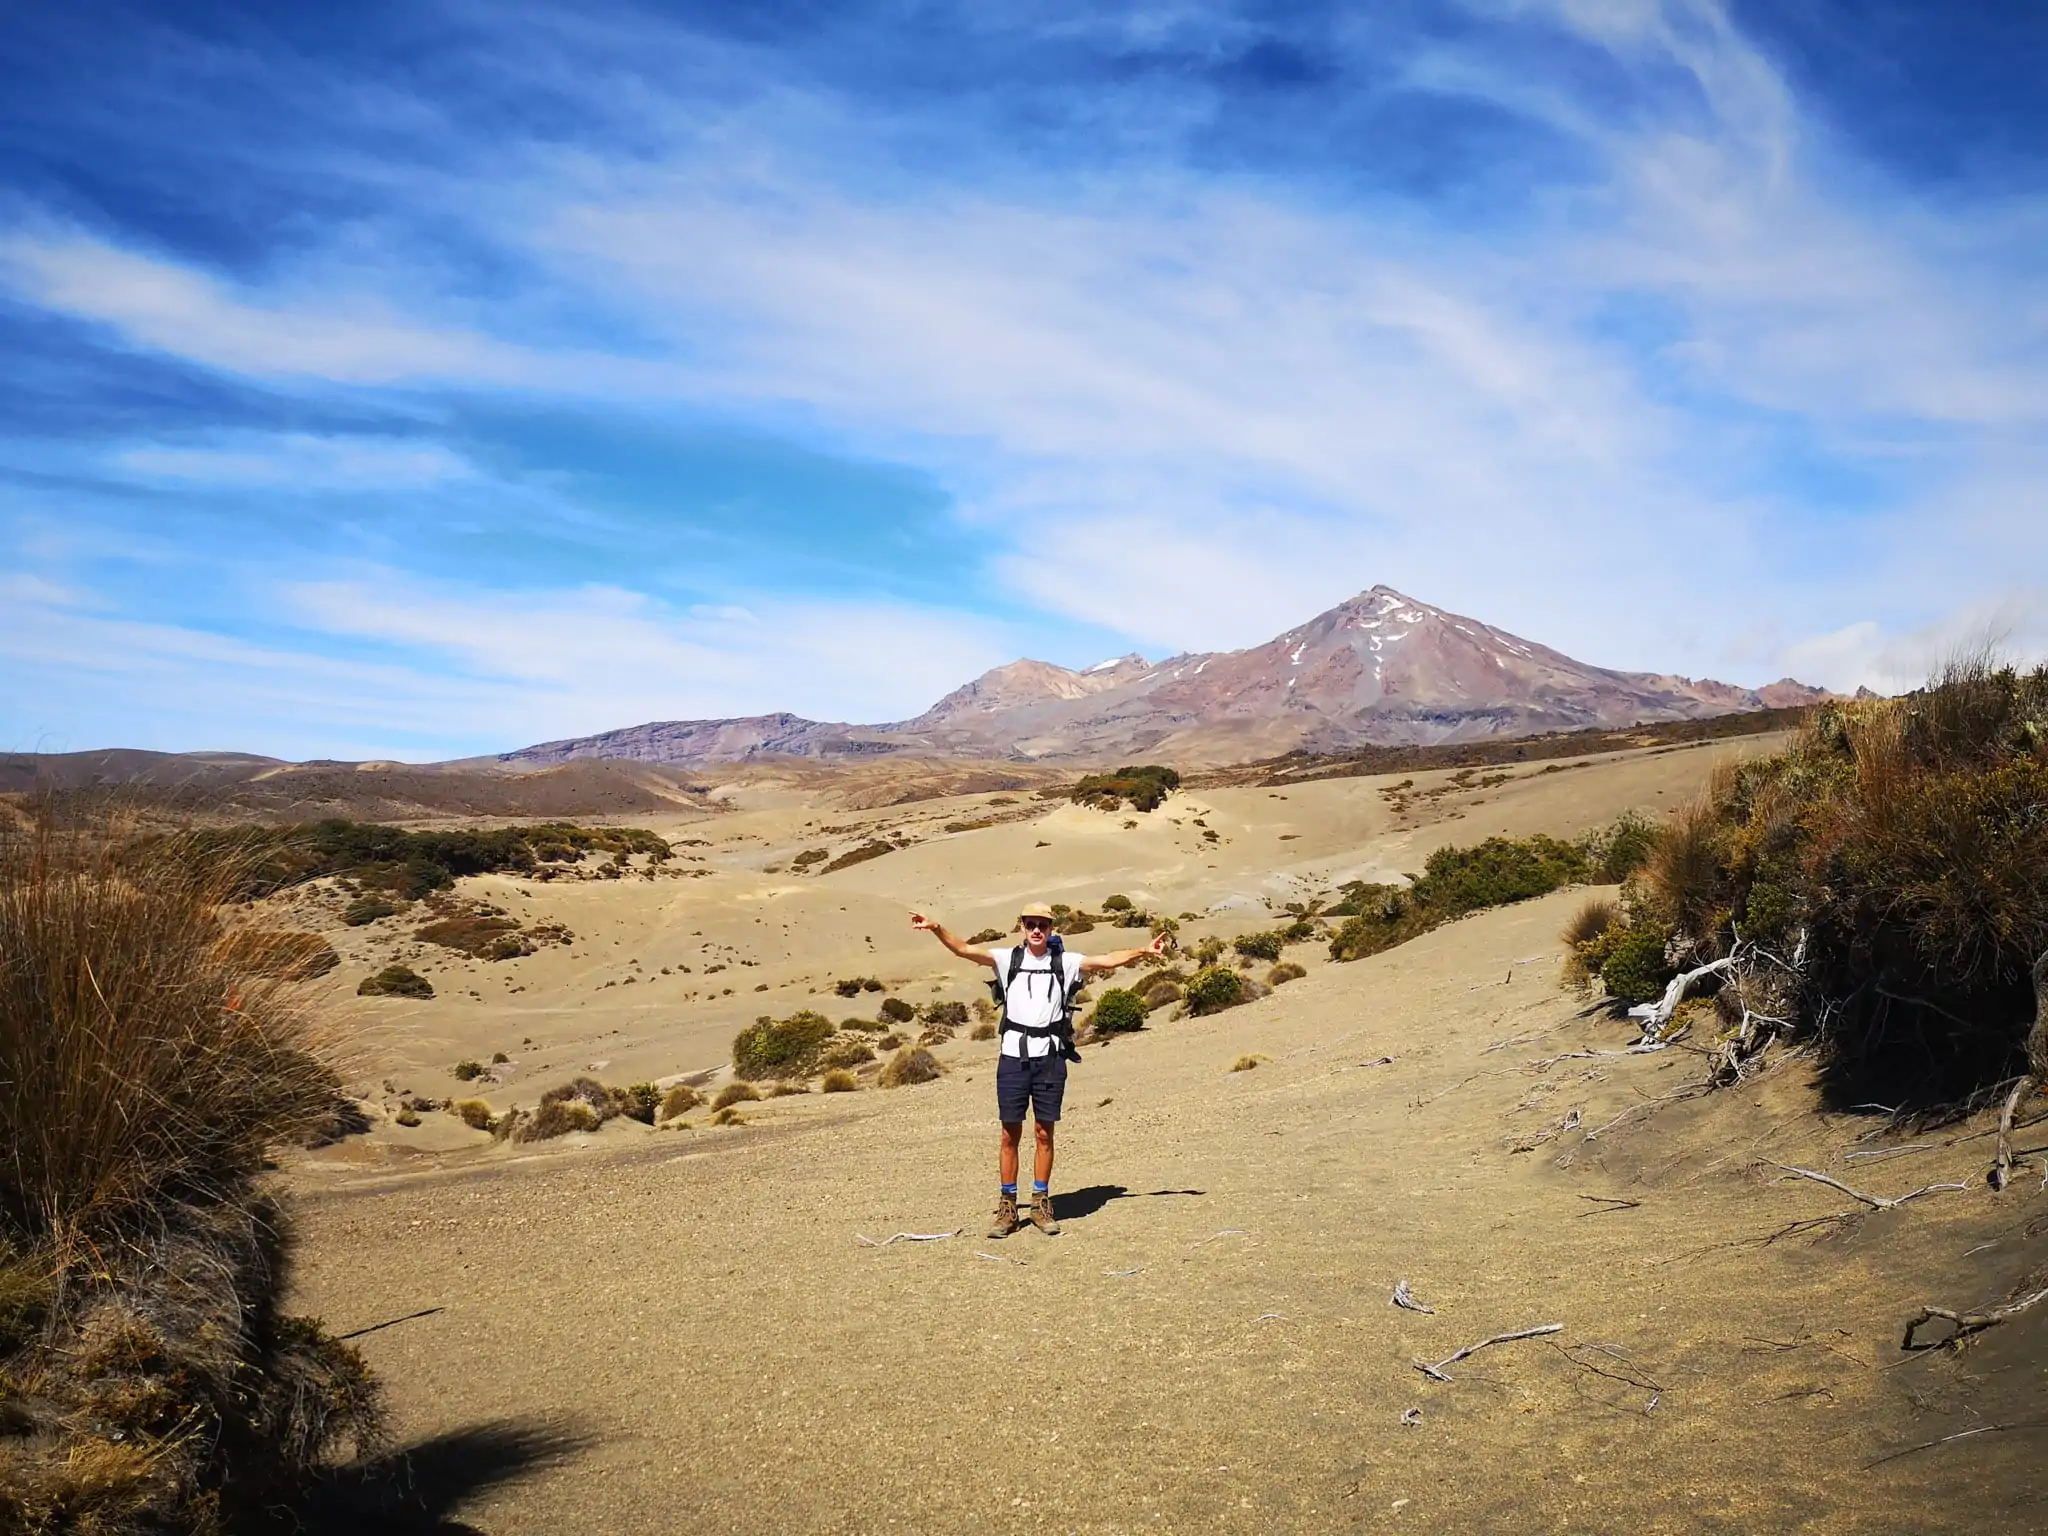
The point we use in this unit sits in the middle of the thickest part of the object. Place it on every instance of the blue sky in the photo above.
(425, 379)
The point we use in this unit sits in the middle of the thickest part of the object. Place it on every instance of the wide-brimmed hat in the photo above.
(1036, 909)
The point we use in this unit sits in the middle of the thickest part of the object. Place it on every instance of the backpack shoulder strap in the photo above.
(1016, 965)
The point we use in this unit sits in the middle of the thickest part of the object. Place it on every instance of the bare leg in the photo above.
(1006, 1153)
(1041, 1165)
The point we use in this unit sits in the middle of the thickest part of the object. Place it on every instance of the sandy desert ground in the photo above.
(690, 1329)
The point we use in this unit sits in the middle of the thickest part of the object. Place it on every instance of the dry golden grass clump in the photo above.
(910, 1067)
(840, 1081)
(847, 1053)
(284, 955)
(475, 1114)
(1244, 1063)
(146, 1067)
(983, 1031)
(1285, 972)
(788, 1090)
(679, 1100)
(728, 1116)
(735, 1093)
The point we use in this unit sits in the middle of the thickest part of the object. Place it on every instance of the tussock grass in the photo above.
(839, 1081)
(910, 1067)
(1285, 972)
(475, 1114)
(146, 1067)
(982, 1031)
(679, 1100)
(736, 1093)
(1244, 1063)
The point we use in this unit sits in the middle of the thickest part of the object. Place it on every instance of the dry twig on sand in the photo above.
(1609, 1203)
(1403, 1297)
(1875, 1202)
(1961, 1434)
(1966, 1323)
(1437, 1372)
(910, 1237)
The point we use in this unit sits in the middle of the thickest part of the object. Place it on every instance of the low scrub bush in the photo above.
(1143, 788)
(1118, 1011)
(483, 935)
(365, 910)
(639, 1101)
(864, 1026)
(678, 1101)
(475, 1114)
(896, 1011)
(1283, 973)
(1905, 842)
(1454, 881)
(1161, 997)
(735, 1093)
(1116, 903)
(846, 1053)
(1244, 1064)
(790, 1047)
(860, 855)
(890, 1042)
(838, 1082)
(946, 1015)
(1213, 989)
(1633, 966)
(149, 1380)
(729, 1116)
(1258, 946)
(853, 986)
(988, 936)
(986, 1030)
(907, 1068)
(467, 1071)
(395, 981)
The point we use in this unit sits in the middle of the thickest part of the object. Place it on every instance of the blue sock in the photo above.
(1040, 1186)
(1010, 1190)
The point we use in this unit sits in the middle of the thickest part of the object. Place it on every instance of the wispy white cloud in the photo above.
(300, 461)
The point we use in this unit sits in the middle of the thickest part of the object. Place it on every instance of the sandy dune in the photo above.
(1209, 1345)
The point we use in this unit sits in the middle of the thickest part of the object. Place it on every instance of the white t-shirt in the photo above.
(1033, 1001)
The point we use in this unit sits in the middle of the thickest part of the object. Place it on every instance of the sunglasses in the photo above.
(1033, 924)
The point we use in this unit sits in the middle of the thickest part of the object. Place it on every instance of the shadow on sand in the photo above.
(1076, 1204)
(415, 1491)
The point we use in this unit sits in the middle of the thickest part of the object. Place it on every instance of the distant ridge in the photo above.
(1380, 669)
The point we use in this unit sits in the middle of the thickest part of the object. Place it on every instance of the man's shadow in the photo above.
(1076, 1204)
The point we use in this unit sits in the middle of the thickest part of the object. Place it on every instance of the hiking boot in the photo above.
(1042, 1216)
(1006, 1217)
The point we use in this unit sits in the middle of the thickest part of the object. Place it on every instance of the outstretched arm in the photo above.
(1122, 957)
(965, 951)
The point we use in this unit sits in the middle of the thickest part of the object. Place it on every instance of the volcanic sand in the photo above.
(1209, 1345)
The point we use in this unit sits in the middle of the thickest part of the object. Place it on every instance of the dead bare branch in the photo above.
(910, 1237)
(1961, 1434)
(1875, 1202)
(1609, 1203)
(2001, 1164)
(1965, 1323)
(1403, 1297)
(1437, 1372)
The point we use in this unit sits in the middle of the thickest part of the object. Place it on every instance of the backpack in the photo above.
(1062, 1027)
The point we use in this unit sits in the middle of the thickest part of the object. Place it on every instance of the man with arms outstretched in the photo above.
(1035, 982)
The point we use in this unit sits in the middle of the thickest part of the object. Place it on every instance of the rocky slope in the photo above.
(1380, 669)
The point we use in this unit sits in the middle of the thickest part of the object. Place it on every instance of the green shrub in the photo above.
(468, 1071)
(1257, 946)
(789, 1048)
(1144, 788)
(641, 1102)
(735, 1093)
(1283, 973)
(1634, 969)
(1209, 951)
(1497, 871)
(1118, 1011)
(907, 1068)
(1116, 903)
(896, 1011)
(395, 981)
(1300, 931)
(368, 909)
(1622, 848)
(849, 986)
(1213, 989)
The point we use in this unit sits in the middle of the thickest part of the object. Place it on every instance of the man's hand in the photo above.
(1160, 943)
(924, 924)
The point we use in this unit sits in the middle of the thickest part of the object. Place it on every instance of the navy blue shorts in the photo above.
(1037, 1081)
